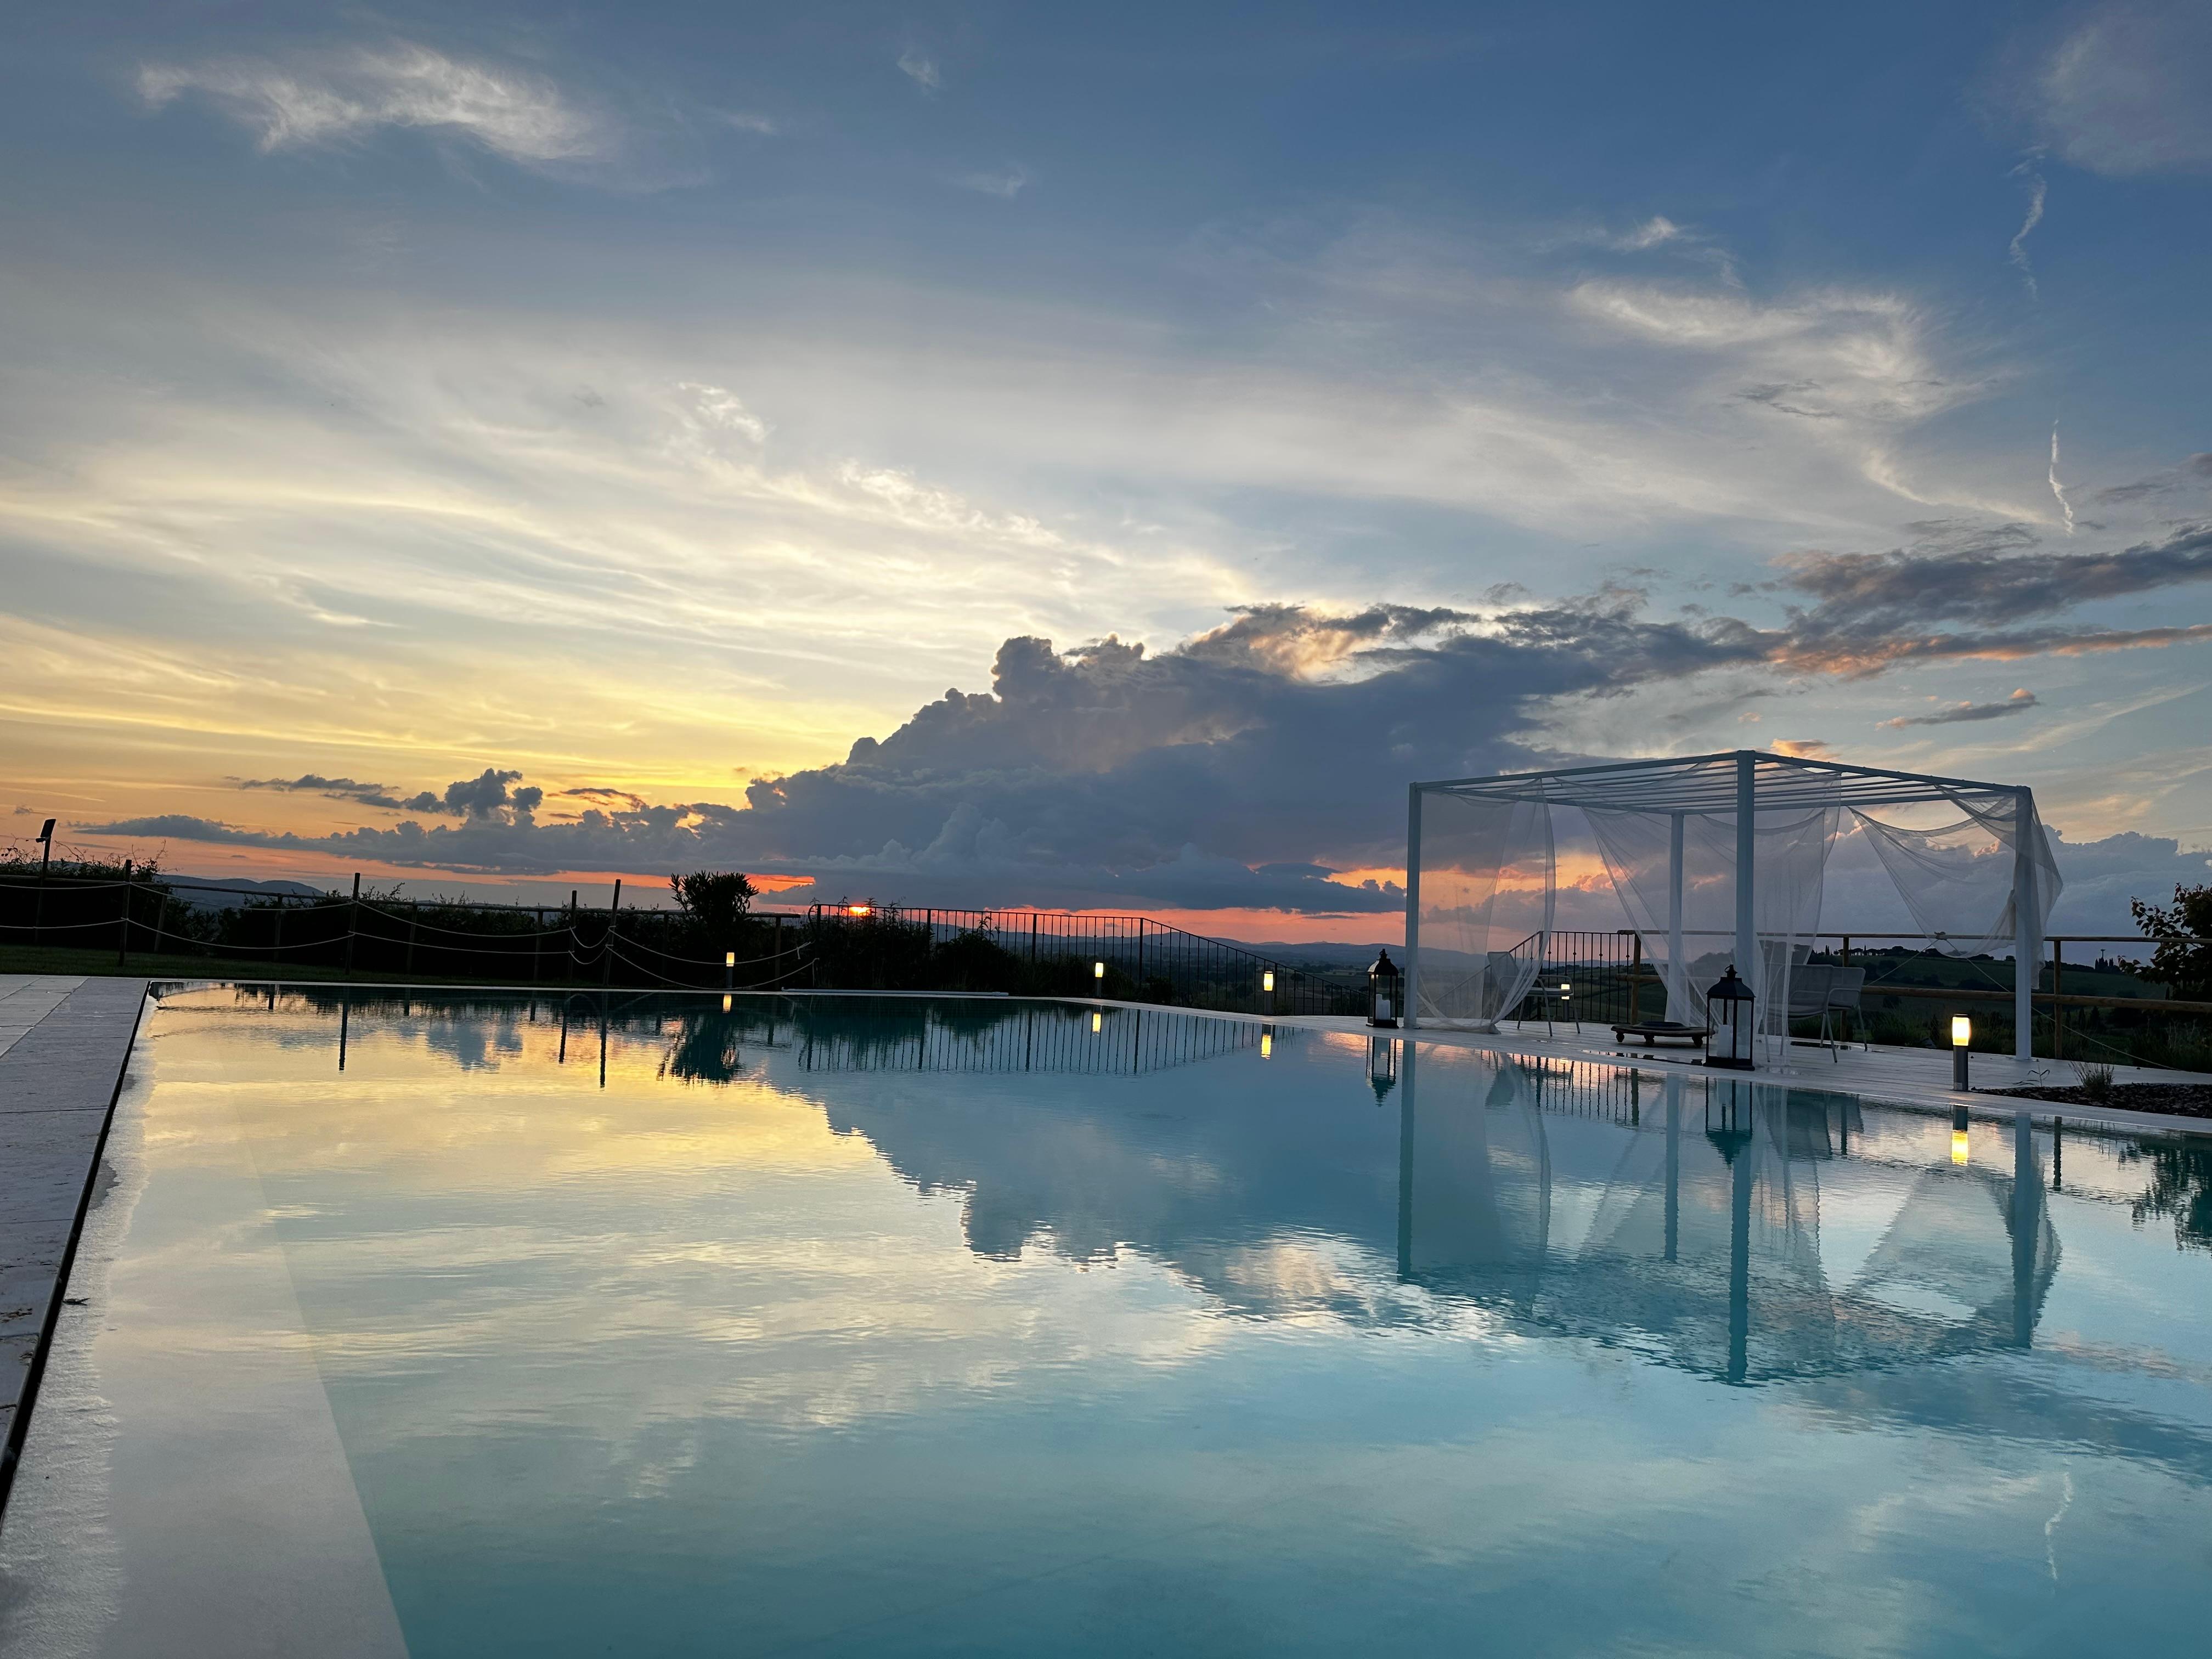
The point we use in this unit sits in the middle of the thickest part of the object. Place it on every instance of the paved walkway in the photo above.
(62, 1043)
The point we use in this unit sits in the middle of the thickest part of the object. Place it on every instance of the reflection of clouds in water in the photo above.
(1279, 1192)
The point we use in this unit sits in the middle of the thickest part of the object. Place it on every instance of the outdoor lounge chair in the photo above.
(1822, 991)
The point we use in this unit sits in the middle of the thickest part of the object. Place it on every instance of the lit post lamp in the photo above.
(1267, 987)
(1727, 1011)
(1098, 978)
(729, 970)
(1386, 991)
(1962, 1038)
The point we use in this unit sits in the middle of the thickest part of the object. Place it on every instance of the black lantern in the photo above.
(1728, 1011)
(1386, 991)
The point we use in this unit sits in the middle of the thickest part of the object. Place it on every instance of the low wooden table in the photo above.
(1652, 1031)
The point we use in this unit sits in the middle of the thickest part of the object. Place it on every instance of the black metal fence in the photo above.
(859, 947)
(1125, 958)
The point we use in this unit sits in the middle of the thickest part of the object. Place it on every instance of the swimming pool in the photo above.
(488, 1326)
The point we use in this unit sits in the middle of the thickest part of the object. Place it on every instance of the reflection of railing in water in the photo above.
(1044, 1037)
(1586, 1089)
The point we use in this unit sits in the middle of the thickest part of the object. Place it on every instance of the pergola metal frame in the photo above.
(1761, 782)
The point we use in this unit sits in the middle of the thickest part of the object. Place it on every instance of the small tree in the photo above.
(2178, 960)
(717, 902)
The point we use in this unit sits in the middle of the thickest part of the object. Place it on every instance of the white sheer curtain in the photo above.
(1957, 876)
(1689, 935)
(1489, 890)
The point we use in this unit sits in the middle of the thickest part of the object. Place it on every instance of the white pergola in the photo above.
(1701, 799)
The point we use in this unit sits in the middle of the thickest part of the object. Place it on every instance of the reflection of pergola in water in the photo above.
(1705, 1250)
(1044, 1036)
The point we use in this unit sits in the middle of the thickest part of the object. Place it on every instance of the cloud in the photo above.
(485, 798)
(920, 68)
(2124, 92)
(1007, 183)
(718, 407)
(2017, 251)
(1240, 768)
(2059, 489)
(1650, 234)
(1804, 748)
(745, 122)
(333, 97)
(1875, 609)
(2018, 703)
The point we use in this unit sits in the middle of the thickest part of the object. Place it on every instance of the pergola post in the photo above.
(1746, 851)
(1678, 971)
(2026, 948)
(1409, 1013)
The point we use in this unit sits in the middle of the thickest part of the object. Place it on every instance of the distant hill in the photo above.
(1320, 953)
(231, 890)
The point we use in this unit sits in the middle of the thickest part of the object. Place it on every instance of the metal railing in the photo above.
(1123, 958)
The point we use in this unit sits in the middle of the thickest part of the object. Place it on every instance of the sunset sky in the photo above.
(517, 446)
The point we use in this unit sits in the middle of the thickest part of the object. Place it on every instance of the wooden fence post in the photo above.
(353, 923)
(123, 919)
(607, 944)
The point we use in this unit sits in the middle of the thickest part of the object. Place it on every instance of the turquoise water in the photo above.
(958, 1329)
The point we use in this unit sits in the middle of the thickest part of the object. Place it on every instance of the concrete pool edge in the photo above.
(59, 1084)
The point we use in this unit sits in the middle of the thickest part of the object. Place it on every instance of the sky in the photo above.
(1087, 456)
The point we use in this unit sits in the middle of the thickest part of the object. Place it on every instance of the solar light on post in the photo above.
(729, 975)
(1267, 987)
(38, 904)
(1098, 977)
(1962, 1037)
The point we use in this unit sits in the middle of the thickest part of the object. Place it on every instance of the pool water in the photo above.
(488, 1326)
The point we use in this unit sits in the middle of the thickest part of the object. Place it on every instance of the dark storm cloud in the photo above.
(1240, 768)
(1245, 767)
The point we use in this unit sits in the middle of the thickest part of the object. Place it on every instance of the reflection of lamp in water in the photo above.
(1962, 1036)
(1098, 1023)
(1266, 1042)
(725, 1002)
(1381, 1067)
(1957, 1134)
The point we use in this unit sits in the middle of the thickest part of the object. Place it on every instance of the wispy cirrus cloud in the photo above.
(1007, 182)
(918, 67)
(2038, 191)
(342, 95)
(1968, 712)
(2122, 92)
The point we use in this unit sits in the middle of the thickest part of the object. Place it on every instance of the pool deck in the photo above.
(63, 1044)
(1919, 1077)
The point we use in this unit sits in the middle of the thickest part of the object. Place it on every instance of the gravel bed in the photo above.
(2178, 1099)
